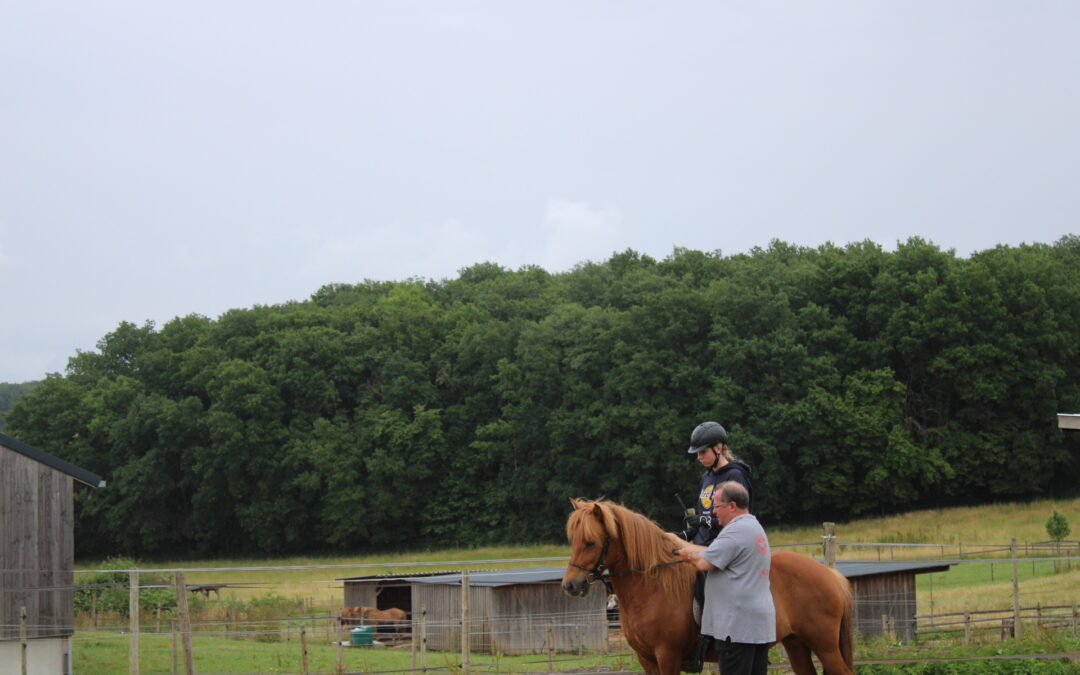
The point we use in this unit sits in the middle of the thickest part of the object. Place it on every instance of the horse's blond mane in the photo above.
(647, 547)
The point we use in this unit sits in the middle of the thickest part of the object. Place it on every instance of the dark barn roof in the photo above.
(539, 575)
(82, 475)
(526, 575)
(852, 569)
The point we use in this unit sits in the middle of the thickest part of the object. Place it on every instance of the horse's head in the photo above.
(591, 530)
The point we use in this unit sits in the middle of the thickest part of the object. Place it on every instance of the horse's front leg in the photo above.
(648, 663)
(669, 661)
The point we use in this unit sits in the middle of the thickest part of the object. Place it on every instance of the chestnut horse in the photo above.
(814, 608)
(376, 617)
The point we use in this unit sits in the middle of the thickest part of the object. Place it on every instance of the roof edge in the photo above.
(85, 477)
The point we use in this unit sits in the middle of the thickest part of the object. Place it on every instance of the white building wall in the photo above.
(44, 656)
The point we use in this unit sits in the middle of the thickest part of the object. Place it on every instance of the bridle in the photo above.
(597, 571)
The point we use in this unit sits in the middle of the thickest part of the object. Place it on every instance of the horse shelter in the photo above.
(516, 611)
(884, 594)
(37, 557)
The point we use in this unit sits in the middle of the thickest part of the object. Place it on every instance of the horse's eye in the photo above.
(590, 544)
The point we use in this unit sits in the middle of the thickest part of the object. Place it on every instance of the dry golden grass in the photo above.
(968, 526)
(322, 588)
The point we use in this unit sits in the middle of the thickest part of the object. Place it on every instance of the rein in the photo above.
(597, 570)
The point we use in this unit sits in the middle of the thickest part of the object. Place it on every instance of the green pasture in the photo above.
(974, 583)
(106, 653)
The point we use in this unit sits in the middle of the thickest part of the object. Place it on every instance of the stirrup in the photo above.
(696, 661)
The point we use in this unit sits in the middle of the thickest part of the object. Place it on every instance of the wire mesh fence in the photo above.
(296, 609)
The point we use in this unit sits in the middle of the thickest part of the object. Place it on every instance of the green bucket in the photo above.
(361, 635)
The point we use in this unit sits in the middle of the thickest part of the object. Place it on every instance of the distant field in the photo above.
(948, 533)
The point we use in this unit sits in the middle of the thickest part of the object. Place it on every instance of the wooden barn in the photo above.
(886, 589)
(511, 611)
(37, 556)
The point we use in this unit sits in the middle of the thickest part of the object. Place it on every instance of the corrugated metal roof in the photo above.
(524, 575)
(79, 474)
(852, 569)
(539, 575)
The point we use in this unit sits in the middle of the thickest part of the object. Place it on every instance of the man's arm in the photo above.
(692, 554)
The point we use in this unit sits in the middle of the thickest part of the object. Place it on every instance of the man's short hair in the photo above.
(730, 491)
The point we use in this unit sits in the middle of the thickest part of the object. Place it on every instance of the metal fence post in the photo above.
(133, 621)
(465, 622)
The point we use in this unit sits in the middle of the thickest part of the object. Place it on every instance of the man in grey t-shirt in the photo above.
(739, 611)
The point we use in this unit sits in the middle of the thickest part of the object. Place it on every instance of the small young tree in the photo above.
(1058, 528)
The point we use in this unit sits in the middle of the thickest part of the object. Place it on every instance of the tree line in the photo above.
(10, 392)
(419, 413)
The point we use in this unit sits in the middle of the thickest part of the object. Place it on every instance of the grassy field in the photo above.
(106, 653)
(974, 582)
(952, 534)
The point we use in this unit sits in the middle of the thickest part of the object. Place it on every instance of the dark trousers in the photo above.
(739, 658)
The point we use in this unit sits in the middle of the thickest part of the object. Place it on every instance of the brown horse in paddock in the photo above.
(392, 617)
(814, 608)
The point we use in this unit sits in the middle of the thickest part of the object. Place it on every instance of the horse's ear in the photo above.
(598, 511)
(573, 502)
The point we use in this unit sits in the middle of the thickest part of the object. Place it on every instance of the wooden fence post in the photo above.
(551, 646)
(303, 650)
(413, 647)
(133, 622)
(829, 541)
(465, 622)
(967, 628)
(185, 623)
(23, 641)
(172, 629)
(423, 638)
(1016, 589)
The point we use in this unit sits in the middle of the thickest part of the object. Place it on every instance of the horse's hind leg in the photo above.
(798, 656)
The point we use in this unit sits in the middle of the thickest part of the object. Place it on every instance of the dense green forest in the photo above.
(11, 392)
(419, 413)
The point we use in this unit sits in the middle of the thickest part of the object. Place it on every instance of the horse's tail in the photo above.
(847, 621)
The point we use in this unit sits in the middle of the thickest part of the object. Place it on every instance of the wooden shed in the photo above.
(510, 611)
(37, 556)
(886, 589)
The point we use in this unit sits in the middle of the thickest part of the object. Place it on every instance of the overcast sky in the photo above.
(167, 158)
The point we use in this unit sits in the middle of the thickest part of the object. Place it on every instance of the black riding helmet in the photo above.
(706, 435)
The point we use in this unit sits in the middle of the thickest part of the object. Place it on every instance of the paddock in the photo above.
(885, 594)
(516, 611)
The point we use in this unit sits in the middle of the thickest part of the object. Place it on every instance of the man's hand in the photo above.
(677, 541)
